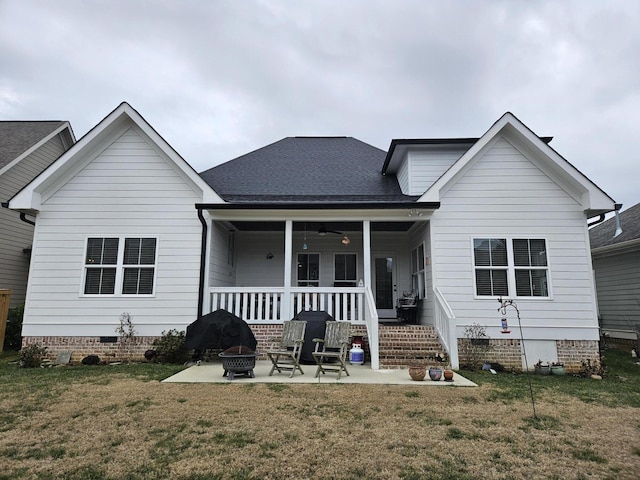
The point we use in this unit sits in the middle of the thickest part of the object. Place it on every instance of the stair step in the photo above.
(400, 345)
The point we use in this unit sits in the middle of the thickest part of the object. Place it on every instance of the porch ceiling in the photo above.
(315, 226)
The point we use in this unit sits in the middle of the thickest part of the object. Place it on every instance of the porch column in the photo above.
(366, 251)
(285, 311)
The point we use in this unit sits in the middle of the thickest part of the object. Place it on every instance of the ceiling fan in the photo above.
(323, 231)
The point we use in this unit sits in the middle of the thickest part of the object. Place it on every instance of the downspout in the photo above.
(23, 217)
(203, 256)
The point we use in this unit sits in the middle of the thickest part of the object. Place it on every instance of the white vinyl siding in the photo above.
(502, 194)
(138, 193)
(426, 166)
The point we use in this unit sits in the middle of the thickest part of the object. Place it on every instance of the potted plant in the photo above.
(557, 368)
(542, 368)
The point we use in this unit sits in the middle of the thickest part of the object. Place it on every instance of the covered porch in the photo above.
(265, 268)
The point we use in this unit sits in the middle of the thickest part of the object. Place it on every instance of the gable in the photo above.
(128, 171)
(93, 144)
(589, 196)
(19, 139)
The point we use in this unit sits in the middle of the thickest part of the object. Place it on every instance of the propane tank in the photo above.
(356, 355)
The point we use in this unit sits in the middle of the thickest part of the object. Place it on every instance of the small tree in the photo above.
(127, 335)
(476, 346)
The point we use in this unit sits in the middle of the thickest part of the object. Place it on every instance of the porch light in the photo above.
(414, 213)
(345, 240)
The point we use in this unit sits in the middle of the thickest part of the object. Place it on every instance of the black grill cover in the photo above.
(316, 321)
(219, 330)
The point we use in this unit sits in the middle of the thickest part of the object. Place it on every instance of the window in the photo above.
(490, 260)
(308, 269)
(531, 281)
(518, 266)
(418, 274)
(101, 280)
(107, 266)
(139, 261)
(345, 270)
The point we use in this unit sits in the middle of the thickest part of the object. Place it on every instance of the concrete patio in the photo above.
(211, 372)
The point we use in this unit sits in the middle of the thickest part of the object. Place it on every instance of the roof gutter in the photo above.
(23, 216)
(601, 218)
(316, 206)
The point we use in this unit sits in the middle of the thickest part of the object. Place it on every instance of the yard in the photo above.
(120, 422)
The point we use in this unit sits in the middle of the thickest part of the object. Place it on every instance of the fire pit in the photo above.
(238, 360)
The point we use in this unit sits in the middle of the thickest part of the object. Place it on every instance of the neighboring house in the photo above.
(124, 224)
(615, 252)
(26, 148)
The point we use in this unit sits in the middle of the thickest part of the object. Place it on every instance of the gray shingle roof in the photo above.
(17, 137)
(602, 235)
(307, 170)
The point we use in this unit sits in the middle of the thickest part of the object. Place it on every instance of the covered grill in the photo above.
(219, 330)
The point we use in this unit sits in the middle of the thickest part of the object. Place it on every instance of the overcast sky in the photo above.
(218, 79)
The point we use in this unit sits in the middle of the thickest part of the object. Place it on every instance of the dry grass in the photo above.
(128, 428)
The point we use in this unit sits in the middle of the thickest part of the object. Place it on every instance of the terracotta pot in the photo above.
(448, 375)
(417, 373)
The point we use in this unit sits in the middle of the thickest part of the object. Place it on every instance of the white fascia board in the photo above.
(209, 195)
(32, 149)
(62, 169)
(591, 196)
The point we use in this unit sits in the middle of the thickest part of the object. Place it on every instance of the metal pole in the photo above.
(503, 310)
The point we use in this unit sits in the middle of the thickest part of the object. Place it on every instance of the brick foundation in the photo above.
(112, 352)
(399, 346)
(509, 353)
(83, 346)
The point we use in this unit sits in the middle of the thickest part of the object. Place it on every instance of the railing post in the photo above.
(287, 307)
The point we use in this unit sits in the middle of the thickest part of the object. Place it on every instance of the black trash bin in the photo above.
(316, 321)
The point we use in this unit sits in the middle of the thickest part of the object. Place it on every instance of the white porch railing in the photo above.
(371, 320)
(266, 304)
(445, 324)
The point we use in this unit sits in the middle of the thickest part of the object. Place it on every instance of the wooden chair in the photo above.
(331, 351)
(285, 353)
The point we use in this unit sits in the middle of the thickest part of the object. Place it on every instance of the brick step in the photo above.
(402, 345)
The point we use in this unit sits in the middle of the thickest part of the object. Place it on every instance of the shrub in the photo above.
(13, 333)
(31, 356)
(171, 347)
(476, 346)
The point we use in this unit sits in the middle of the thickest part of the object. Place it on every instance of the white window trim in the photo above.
(422, 269)
(355, 280)
(511, 268)
(119, 266)
(306, 252)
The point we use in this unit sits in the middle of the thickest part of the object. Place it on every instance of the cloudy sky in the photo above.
(218, 79)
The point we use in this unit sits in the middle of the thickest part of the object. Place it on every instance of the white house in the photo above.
(124, 224)
(26, 148)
